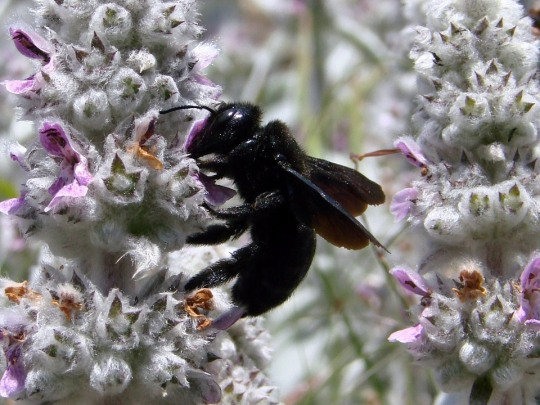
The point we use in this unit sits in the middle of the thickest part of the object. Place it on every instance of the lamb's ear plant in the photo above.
(110, 195)
(475, 143)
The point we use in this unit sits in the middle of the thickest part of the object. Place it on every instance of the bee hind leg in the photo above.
(216, 274)
(218, 233)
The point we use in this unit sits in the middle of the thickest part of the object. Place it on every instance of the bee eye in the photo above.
(225, 117)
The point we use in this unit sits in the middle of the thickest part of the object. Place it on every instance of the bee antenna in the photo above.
(187, 107)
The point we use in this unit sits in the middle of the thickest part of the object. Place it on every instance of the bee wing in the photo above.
(351, 189)
(330, 220)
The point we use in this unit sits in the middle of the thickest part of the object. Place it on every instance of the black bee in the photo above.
(288, 198)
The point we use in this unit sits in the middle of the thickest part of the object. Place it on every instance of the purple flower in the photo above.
(26, 88)
(204, 54)
(529, 312)
(31, 44)
(403, 203)
(13, 205)
(74, 176)
(17, 154)
(196, 130)
(12, 336)
(12, 382)
(412, 151)
(412, 281)
(215, 193)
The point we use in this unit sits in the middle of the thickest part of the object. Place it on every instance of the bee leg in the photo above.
(223, 270)
(245, 211)
(217, 164)
(216, 274)
(218, 233)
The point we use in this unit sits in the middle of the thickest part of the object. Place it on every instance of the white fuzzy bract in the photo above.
(476, 134)
(110, 193)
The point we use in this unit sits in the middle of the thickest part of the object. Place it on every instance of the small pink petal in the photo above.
(31, 44)
(11, 206)
(72, 190)
(412, 151)
(17, 153)
(74, 175)
(81, 172)
(408, 335)
(204, 54)
(530, 278)
(63, 179)
(21, 87)
(411, 281)
(529, 310)
(215, 194)
(12, 382)
(53, 138)
(196, 129)
(47, 69)
(403, 203)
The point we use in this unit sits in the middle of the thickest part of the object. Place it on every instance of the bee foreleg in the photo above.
(246, 211)
(216, 164)
(218, 233)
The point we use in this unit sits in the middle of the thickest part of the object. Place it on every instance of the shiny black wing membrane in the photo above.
(331, 219)
(351, 189)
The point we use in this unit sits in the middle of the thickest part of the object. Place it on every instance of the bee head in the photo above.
(225, 128)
